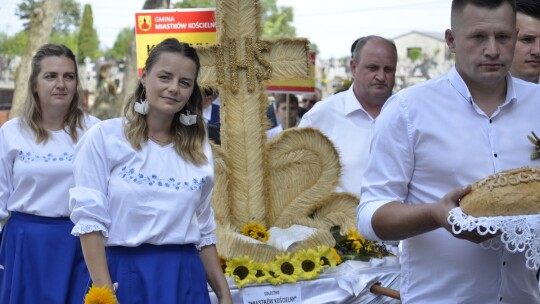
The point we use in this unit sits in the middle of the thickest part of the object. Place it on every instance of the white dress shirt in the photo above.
(35, 178)
(430, 139)
(343, 120)
(207, 113)
(133, 196)
(274, 131)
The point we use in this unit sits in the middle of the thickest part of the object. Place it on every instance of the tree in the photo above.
(68, 18)
(277, 21)
(70, 40)
(195, 4)
(13, 46)
(121, 45)
(64, 27)
(39, 30)
(88, 40)
(130, 74)
(156, 4)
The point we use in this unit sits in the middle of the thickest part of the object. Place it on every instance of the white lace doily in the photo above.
(518, 233)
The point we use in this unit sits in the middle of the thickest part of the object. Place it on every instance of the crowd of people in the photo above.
(125, 203)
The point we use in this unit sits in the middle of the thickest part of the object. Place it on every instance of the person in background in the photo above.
(526, 63)
(286, 111)
(210, 114)
(347, 117)
(143, 186)
(272, 109)
(41, 261)
(310, 99)
(436, 138)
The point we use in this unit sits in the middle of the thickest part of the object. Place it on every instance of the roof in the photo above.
(433, 35)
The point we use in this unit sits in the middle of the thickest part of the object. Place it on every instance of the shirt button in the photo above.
(490, 121)
(495, 154)
(504, 263)
(500, 299)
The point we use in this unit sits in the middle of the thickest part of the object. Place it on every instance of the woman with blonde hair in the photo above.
(141, 203)
(41, 262)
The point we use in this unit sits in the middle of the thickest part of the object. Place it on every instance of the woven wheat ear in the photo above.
(507, 193)
(290, 180)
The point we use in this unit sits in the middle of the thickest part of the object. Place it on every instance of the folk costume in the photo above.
(41, 262)
(152, 207)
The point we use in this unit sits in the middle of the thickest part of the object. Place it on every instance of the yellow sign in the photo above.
(295, 86)
(193, 26)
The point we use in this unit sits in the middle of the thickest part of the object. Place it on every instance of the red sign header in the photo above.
(149, 22)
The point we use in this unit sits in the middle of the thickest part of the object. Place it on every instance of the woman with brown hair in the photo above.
(41, 262)
(141, 202)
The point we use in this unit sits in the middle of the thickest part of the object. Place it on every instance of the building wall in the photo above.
(429, 45)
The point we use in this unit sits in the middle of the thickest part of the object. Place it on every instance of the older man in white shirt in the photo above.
(347, 117)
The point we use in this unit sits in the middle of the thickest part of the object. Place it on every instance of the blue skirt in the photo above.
(41, 262)
(158, 274)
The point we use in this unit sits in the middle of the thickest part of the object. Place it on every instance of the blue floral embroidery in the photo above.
(29, 157)
(153, 180)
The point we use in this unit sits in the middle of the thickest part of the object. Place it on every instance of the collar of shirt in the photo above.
(353, 105)
(459, 84)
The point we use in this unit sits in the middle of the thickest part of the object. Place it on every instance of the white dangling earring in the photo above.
(188, 120)
(142, 106)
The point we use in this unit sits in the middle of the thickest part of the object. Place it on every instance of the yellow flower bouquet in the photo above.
(353, 246)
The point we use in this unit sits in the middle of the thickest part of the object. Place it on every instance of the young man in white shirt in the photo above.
(526, 64)
(286, 111)
(436, 138)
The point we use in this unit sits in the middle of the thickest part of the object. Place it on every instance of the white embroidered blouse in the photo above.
(35, 178)
(133, 196)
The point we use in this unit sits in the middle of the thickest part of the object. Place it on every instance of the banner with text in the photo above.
(295, 86)
(193, 26)
(286, 293)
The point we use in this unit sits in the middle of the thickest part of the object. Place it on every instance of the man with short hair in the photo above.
(286, 111)
(433, 140)
(526, 64)
(310, 99)
(347, 117)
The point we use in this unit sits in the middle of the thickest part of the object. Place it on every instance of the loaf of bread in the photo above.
(511, 192)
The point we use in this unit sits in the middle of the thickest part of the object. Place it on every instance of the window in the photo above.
(414, 53)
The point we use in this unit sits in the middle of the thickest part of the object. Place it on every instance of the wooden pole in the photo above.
(383, 291)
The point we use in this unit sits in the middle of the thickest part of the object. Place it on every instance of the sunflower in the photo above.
(356, 240)
(287, 269)
(261, 272)
(256, 231)
(328, 256)
(100, 295)
(273, 277)
(242, 270)
(310, 266)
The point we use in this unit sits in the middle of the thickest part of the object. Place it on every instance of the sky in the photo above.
(332, 25)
